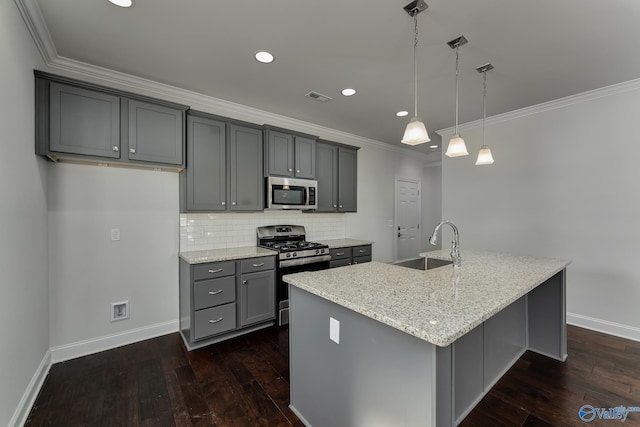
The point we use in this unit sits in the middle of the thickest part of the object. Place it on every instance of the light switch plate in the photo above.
(334, 330)
(115, 234)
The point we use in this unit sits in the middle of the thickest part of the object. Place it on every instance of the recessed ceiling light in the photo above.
(402, 113)
(348, 92)
(264, 56)
(122, 3)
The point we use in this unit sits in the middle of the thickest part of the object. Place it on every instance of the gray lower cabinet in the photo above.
(336, 173)
(82, 122)
(350, 255)
(289, 155)
(221, 300)
(224, 166)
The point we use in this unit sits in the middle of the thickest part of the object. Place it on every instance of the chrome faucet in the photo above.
(455, 244)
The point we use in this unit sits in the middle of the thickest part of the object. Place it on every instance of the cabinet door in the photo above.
(327, 177)
(84, 122)
(206, 171)
(155, 133)
(246, 163)
(305, 157)
(257, 297)
(347, 180)
(280, 154)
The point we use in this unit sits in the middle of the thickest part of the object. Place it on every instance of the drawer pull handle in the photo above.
(219, 319)
(259, 265)
(339, 253)
(215, 292)
(362, 251)
(215, 271)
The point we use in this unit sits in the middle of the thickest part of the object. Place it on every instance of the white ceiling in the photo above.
(541, 50)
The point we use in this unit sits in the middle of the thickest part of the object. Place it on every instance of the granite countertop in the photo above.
(438, 305)
(344, 243)
(228, 254)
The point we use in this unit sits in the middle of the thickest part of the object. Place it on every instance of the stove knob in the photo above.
(288, 255)
(294, 254)
(317, 251)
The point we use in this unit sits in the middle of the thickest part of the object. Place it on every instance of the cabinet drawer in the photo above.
(257, 264)
(340, 263)
(212, 321)
(364, 250)
(341, 253)
(209, 293)
(213, 270)
(361, 259)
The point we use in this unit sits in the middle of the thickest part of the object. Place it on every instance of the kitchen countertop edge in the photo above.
(344, 243)
(226, 254)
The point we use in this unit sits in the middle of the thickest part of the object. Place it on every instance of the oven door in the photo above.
(282, 287)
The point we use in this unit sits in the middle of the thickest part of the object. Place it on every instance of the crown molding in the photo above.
(36, 25)
(547, 106)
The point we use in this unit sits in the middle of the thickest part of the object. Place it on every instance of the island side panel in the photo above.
(547, 321)
(376, 375)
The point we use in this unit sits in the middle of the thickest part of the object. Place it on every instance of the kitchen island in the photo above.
(384, 345)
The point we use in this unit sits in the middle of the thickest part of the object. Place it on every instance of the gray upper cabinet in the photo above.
(224, 166)
(155, 133)
(82, 122)
(336, 172)
(290, 155)
(204, 180)
(246, 183)
(347, 179)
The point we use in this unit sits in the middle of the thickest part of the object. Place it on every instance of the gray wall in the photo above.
(431, 203)
(24, 293)
(564, 184)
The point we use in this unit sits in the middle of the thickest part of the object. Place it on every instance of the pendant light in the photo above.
(416, 132)
(457, 146)
(484, 156)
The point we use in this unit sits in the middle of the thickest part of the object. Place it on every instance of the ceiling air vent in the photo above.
(318, 96)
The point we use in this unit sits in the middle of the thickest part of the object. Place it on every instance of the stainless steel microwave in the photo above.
(291, 193)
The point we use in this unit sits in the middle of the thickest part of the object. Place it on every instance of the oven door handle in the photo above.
(304, 261)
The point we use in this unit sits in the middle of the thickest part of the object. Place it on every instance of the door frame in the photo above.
(395, 212)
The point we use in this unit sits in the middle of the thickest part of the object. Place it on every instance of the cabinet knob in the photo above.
(335, 206)
(244, 282)
(224, 203)
(340, 205)
(115, 148)
(233, 203)
(297, 170)
(290, 170)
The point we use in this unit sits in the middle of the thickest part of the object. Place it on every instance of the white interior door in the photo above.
(407, 218)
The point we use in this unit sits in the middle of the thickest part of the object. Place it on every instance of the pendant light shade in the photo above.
(457, 147)
(415, 132)
(484, 156)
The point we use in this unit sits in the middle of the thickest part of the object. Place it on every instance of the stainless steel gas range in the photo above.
(295, 254)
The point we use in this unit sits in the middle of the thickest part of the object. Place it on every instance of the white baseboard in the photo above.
(31, 393)
(95, 345)
(604, 326)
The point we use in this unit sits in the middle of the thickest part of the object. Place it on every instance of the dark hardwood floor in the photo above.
(244, 382)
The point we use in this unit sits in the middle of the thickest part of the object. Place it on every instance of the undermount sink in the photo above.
(419, 263)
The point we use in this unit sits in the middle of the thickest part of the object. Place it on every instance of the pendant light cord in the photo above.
(457, 72)
(415, 65)
(484, 107)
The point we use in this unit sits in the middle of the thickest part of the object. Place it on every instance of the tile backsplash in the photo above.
(204, 231)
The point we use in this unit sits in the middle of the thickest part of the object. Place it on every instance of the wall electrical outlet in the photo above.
(115, 234)
(119, 310)
(334, 330)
